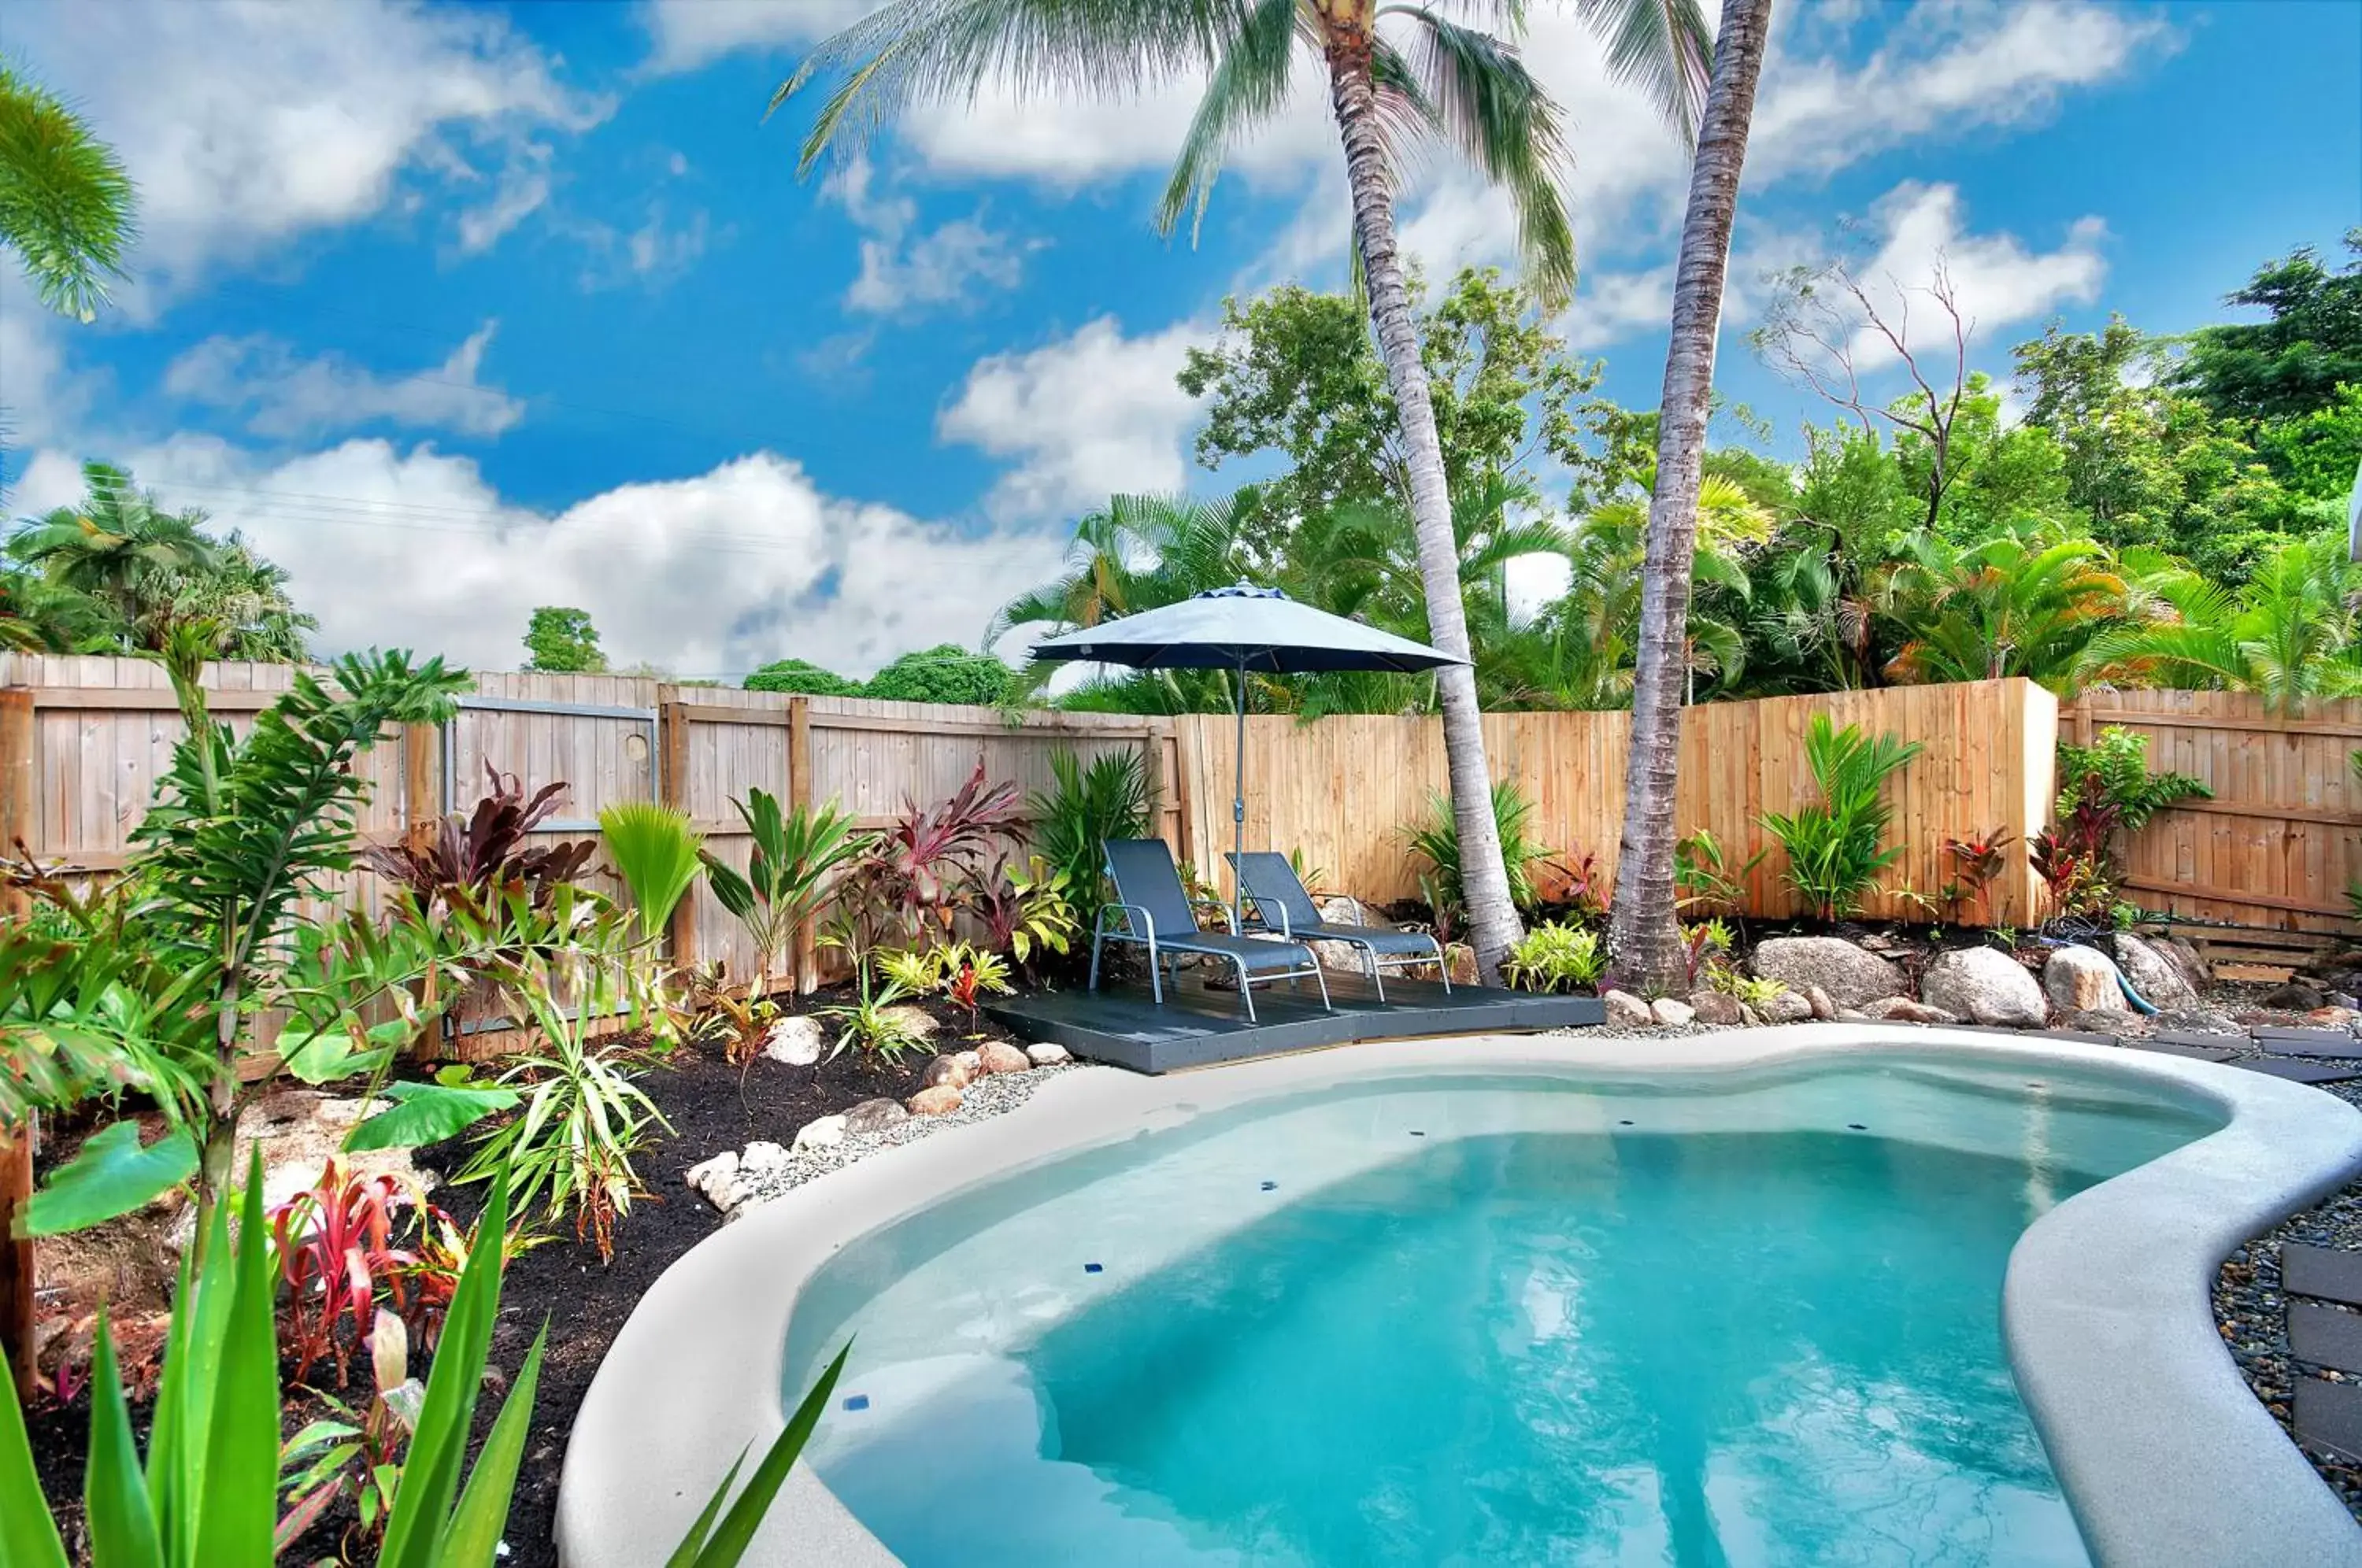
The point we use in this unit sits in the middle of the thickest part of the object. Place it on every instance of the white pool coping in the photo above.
(2164, 1454)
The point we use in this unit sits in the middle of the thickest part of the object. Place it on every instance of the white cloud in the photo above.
(710, 574)
(1949, 67)
(248, 124)
(1609, 307)
(1080, 419)
(688, 34)
(903, 272)
(656, 249)
(284, 396)
(1995, 280)
(523, 190)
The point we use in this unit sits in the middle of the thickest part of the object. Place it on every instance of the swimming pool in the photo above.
(1503, 1307)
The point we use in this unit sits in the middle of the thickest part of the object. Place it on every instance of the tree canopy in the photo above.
(561, 640)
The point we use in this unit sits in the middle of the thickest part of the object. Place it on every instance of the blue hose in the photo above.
(2141, 1004)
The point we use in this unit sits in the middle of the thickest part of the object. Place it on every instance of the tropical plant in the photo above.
(2288, 635)
(1027, 910)
(1436, 840)
(207, 1494)
(65, 202)
(119, 547)
(1978, 862)
(1454, 82)
(979, 975)
(2024, 601)
(1834, 845)
(1646, 932)
(485, 848)
(583, 1117)
(2113, 772)
(873, 1022)
(787, 873)
(336, 1242)
(1086, 807)
(356, 1452)
(656, 851)
(1751, 990)
(1704, 873)
(1554, 957)
(913, 880)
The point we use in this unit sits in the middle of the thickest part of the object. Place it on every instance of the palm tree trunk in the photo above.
(1492, 925)
(1645, 936)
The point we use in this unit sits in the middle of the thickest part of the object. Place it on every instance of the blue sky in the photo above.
(457, 311)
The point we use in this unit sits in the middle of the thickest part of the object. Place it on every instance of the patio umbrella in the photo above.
(1241, 629)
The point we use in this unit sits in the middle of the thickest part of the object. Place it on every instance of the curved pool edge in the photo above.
(2177, 1462)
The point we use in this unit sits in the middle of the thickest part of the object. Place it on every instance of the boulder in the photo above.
(1848, 975)
(1341, 910)
(1902, 1010)
(1460, 963)
(2156, 979)
(916, 1020)
(2182, 953)
(2102, 1020)
(1717, 1009)
(1818, 1003)
(1852, 1015)
(874, 1115)
(947, 1071)
(2333, 1016)
(1788, 1007)
(1626, 1011)
(760, 1159)
(2079, 979)
(940, 1100)
(796, 1041)
(972, 1061)
(1044, 1053)
(1000, 1056)
(2204, 1020)
(1670, 1013)
(821, 1132)
(2294, 996)
(716, 1180)
(1986, 985)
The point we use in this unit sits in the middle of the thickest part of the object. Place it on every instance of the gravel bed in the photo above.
(993, 1095)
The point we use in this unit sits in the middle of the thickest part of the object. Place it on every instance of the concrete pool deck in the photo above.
(2163, 1454)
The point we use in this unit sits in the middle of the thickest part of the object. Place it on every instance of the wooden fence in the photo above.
(89, 736)
(1339, 791)
(2281, 840)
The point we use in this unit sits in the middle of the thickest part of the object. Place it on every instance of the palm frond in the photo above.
(1662, 47)
(1249, 86)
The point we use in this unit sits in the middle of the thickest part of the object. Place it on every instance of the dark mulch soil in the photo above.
(712, 1106)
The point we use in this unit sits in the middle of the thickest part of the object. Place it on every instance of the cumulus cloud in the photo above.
(248, 123)
(710, 574)
(904, 270)
(687, 34)
(1080, 419)
(282, 396)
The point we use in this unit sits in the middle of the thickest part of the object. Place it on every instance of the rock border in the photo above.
(2163, 1453)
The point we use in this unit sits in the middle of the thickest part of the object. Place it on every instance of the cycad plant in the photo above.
(1834, 845)
(207, 1494)
(787, 874)
(1086, 807)
(1393, 74)
(654, 851)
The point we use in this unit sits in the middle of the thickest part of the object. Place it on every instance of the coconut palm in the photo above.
(65, 202)
(118, 546)
(2289, 635)
(1645, 936)
(1392, 72)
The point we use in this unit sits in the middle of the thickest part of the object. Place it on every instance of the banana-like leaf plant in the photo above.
(206, 1494)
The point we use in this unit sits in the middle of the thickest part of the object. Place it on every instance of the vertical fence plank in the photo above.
(800, 798)
(673, 780)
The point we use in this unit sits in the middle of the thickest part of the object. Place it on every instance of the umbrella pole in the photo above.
(1239, 803)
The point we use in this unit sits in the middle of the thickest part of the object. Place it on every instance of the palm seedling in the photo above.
(654, 851)
(787, 873)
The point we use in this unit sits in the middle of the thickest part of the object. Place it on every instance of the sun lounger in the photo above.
(1276, 899)
(1154, 913)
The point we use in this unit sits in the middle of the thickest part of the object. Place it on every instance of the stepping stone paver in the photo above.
(2325, 1336)
(2165, 1047)
(2302, 1072)
(2208, 1038)
(2328, 1417)
(2334, 1274)
(2331, 1042)
(2304, 1032)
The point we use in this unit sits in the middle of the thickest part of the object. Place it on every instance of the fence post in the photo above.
(422, 781)
(19, 809)
(800, 796)
(672, 745)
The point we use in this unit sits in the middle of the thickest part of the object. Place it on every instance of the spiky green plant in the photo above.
(1834, 845)
(656, 851)
(787, 873)
(1436, 840)
(1088, 806)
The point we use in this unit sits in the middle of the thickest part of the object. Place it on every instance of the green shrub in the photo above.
(2113, 772)
(1834, 845)
(1438, 840)
(1555, 958)
(654, 851)
(944, 673)
(1083, 809)
(799, 675)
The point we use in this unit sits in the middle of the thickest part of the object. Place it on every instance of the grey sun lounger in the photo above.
(1274, 896)
(1155, 914)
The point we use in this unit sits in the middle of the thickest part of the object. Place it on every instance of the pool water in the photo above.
(1479, 1321)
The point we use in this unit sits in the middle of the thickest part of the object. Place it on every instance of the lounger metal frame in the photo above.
(1141, 933)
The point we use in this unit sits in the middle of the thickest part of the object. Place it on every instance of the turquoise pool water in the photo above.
(1481, 1320)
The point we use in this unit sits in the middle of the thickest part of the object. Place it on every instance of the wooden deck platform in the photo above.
(1198, 1026)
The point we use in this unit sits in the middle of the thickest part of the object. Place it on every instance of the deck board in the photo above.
(1197, 1026)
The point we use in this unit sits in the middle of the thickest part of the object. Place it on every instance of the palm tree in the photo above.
(1424, 73)
(65, 202)
(1644, 936)
(2289, 635)
(118, 546)
(2019, 602)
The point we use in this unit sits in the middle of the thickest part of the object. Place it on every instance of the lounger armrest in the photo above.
(1263, 913)
(1142, 925)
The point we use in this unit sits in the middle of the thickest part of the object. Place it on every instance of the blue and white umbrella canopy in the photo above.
(1247, 630)
(1259, 630)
